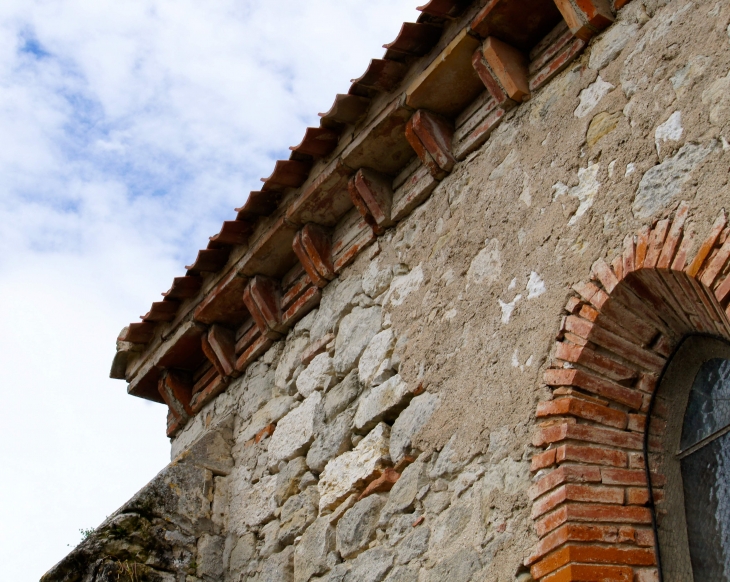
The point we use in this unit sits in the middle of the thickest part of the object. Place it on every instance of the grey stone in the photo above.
(338, 298)
(219, 509)
(404, 492)
(611, 43)
(664, 182)
(333, 440)
(409, 422)
(375, 360)
(345, 474)
(448, 462)
(258, 390)
(376, 280)
(459, 566)
(290, 363)
(399, 527)
(413, 545)
(717, 98)
(296, 523)
(356, 527)
(211, 451)
(272, 411)
(210, 554)
(370, 566)
(382, 403)
(271, 539)
(403, 574)
(310, 556)
(436, 501)
(287, 480)
(243, 552)
(295, 432)
(450, 524)
(318, 375)
(279, 567)
(252, 504)
(355, 332)
(340, 397)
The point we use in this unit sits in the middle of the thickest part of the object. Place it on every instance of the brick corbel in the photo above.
(586, 17)
(372, 195)
(176, 389)
(219, 346)
(313, 247)
(503, 70)
(430, 136)
(262, 298)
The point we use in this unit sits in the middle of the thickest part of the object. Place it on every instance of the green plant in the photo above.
(85, 533)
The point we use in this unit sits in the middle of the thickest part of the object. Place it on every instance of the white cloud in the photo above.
(130, 131)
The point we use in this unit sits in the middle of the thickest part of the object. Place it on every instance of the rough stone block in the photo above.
(356, 528)
(295, 432)
(310, 555)
(350, 471)
(334, 438)
(382, 402)
(371, 566)
(271, 412)
(290, 364)
(356, 330)
(210, 552)
(409, 422)
(252, 504)
(340, 397)
(318, 375)
(279, 567)
(404, 492)
(375, 355)
(287, 480)
(338, 299)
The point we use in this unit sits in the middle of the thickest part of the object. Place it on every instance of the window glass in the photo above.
(705, 463)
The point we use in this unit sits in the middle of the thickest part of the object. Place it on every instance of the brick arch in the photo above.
(591, 502)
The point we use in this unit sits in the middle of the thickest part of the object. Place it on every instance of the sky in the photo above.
(128, 132)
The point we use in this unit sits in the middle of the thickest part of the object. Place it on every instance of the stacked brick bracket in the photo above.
(318, 210)
(591, 498)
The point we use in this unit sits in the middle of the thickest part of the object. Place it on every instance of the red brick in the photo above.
(303, 305)
(600, 363)
(216, 386)
(645, 537)
(656, 243)
(253, 351)
(542, 460)
(594, 384)
(636, 461)
(430, 137)
(680, 259)
(376, 194)
(583, 409)
(624, 348)
(617, 264)
(591, 455)
(629, 255)
(716, 265)
(642, 243)
(573, 305)
(315, 348)
(265, 432)
(605, 275)
(565, 474)
(176, 390)
(476, 138)
(383, 483)
(592, 513)
(573, 532)
(637, 496)
(489, 79)
(262, 297)
(561, 61)
(577, 492)
(222, 343)
(634, 477)
(313, 247)
(672, 241)
(593, 555)
(592, 293)
(588, 573)
(699, 260)
(588, 433)
(509, 66)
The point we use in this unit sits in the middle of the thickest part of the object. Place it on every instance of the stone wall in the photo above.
(388, 436)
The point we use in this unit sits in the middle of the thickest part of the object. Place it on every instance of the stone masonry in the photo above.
(361, 370)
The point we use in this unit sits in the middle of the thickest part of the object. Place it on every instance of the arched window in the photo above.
(694, 519)
(704, 454)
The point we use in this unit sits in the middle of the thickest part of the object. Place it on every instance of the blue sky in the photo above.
(129, 132)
